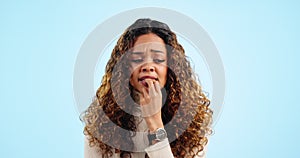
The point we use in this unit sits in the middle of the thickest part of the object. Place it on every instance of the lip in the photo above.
(146, 77)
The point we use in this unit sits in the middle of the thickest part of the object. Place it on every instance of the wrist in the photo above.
(154, 128)
(157, 136)
(154, 124)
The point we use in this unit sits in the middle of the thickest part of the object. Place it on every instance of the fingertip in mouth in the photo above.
(143, 78)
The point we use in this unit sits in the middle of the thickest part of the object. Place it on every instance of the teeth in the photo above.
(142, 79)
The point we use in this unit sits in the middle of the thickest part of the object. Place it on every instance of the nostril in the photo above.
(145, 69)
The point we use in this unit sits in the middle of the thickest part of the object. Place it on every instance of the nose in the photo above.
(147, 68)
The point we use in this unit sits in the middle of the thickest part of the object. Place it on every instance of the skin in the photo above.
(148, 62)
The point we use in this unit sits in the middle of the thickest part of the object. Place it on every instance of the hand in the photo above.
(151, 103)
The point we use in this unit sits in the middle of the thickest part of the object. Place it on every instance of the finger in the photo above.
(144, 93)
(151, 87)
(145, 96)
(157, 87)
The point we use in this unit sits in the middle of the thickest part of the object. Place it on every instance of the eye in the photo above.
(136, 60)
(159, 60)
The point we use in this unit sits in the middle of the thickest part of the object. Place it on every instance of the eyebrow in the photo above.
(151, 50)
(156, 51)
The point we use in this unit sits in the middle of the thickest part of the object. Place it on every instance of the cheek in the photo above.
(165, 70)
(133, 68)
(164, 74)
(133, 76)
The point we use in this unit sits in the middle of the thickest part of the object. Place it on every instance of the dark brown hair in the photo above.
(185, 114)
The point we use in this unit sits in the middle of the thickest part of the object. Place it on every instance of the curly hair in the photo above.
(186, 114)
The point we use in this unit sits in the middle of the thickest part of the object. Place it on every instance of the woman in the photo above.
(149, 103)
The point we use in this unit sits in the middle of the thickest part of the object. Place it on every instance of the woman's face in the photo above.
(148, 61)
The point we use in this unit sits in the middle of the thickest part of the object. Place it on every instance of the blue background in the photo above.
(258, 43)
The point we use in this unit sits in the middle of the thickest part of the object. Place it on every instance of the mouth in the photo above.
(147, 77)
(142, 80)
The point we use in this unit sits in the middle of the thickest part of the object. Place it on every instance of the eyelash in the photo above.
(159, 60)
(137, 60)
(141, 60)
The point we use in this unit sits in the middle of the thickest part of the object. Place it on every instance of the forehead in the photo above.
(151, 46)
(149, 40)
